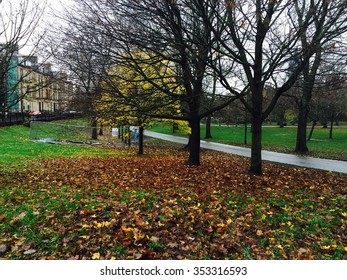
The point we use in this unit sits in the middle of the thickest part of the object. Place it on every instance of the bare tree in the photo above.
(172, 31)
(72, 48)
(328, 102)
(247, 44)
(19, 22)
(260, 41)
(314, 80)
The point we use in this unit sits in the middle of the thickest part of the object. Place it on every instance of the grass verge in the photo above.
(277, 139)
(17, 150)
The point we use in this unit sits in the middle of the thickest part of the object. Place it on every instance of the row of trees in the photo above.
(147, 57)
(328, 105)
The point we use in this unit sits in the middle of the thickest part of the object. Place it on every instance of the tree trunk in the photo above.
(311, 132)
(208, 127)
(309, 75)
(245, 134)
(281, 123)
(141, 140)
(257, 120)
(101, 130)
(194, 139)
(256, 162)
(94, 129)
(129, 136)
(331, 126)
(301, 144)
(174, 127)
(125, 135)
(281, 117)
(187, 147)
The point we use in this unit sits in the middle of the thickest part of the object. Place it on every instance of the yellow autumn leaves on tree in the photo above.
(138, 88)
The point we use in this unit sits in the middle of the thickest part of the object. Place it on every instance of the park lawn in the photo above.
(74, 121)
(16, 148)
(71, 204)
(276, 139)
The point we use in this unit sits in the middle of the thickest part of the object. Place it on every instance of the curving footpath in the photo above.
(302, 161)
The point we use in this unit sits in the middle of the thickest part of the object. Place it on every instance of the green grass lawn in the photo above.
(277, 139)
(75, 121)
(16, 148)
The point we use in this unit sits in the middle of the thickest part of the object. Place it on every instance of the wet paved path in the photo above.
(302, 161)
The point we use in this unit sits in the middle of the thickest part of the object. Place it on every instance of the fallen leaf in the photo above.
(2, 217)
(154, 239)
(139, 222)
(85, 237)
(127, 243)
(137, 256)
(259, 232)
(18, 218)
(3, 248)
(106, 224)
(29, 252)
(96, 256)
(172, 245)
(86, 212)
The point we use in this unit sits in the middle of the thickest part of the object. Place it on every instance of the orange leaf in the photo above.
(139, 222)
(2, 217)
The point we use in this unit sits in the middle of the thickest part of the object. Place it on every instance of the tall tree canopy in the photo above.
(174, 31)
(246, 45)
(270, 44)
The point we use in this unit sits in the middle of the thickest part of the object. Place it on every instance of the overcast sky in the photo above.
(50, 7)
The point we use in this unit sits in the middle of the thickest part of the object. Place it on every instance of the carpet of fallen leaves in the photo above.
(156, 207)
